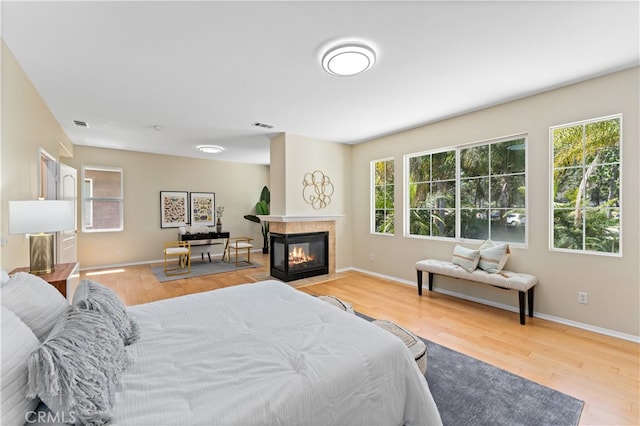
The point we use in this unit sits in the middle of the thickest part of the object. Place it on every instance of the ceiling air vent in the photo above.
(79, 123)
(266, 126)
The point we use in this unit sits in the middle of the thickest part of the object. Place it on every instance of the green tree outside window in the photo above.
(383, 188)
(473, 191)
(586, 205)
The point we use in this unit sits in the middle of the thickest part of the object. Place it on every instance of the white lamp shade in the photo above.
(34, 216)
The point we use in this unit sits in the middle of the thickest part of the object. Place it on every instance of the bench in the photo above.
(523, 283)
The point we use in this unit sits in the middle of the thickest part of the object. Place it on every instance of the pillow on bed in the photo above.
(4, 277)
(466, 258)
(93, 296)
(493, 256)
(76, 370)
(36, 302)
(18, 341)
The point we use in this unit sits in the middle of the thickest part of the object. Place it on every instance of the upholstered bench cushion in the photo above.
(505, 279)
(240, 245)
(338, 303)
(415, 345)
(176, 250)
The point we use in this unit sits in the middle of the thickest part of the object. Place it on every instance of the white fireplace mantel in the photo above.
(278, 218)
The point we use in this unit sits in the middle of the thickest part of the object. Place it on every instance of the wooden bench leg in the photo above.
(530, 300)
(521, 296)
(430, 278)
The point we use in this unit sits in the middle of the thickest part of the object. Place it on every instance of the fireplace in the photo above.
(297, 256)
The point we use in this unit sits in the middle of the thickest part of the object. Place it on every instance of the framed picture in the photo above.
(173, 209)
(203, 208)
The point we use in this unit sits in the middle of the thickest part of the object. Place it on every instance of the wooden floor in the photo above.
(600, 370)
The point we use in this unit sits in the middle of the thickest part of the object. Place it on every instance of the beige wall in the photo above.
(292, 157)
(237, 188)
(278, 177)
(612, 282)
(27, 126)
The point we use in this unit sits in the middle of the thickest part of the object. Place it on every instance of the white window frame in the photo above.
(87, 201)
(372, 223)
(87, 192)
(584, 123)
(458, 149)
(406, 193)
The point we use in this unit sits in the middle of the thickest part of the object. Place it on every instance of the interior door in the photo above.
(68, 190)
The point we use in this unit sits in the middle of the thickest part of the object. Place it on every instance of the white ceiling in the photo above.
(206, 71)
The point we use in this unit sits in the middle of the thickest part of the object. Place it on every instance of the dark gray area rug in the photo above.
(470, 392)
(200, 268)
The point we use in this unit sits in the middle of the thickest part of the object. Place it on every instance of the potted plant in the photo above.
(262, 208)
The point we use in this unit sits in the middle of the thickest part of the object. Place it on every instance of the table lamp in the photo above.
(39, 218)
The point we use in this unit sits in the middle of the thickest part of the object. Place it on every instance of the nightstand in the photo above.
(65, 278)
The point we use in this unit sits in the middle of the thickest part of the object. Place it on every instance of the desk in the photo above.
(65, 278)
(206, 239)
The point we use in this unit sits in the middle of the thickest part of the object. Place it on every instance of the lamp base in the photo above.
(41, 258)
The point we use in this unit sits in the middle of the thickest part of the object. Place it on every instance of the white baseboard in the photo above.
(553, 318)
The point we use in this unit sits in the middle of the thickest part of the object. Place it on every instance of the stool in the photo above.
(416, 346)
(181, 251)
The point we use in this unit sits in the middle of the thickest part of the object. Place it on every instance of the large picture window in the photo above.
(476, 192)
(102, 199)
(383, 178)
(585, 188)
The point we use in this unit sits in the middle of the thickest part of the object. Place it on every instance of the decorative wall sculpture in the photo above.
(317, 189)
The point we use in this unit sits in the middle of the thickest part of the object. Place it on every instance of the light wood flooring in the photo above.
(602, 371)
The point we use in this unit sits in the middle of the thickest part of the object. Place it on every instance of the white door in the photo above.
(68, 190)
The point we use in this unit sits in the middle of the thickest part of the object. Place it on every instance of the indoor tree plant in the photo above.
(262, 209)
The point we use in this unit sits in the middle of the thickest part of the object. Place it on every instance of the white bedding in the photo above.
(265, 353)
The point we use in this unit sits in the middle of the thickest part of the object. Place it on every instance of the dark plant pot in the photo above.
(265, 250)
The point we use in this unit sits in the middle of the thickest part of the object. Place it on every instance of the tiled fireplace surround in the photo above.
(303, 224)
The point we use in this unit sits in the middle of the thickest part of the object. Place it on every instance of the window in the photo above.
(585, 186)
(493, 191)
(383, 192)
(475, 191)
(432, 194)
(102, 199)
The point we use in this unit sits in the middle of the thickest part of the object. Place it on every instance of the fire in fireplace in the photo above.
(297, 256)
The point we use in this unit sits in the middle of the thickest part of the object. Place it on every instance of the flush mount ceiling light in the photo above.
(210, 149)
(348, 59)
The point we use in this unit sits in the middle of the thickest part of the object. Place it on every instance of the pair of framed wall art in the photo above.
(181, 208)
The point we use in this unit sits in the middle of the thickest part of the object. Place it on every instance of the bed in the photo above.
(265, 353)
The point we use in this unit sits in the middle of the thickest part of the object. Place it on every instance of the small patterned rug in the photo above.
(200, 268)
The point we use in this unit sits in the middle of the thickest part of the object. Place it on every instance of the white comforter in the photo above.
(265, 353)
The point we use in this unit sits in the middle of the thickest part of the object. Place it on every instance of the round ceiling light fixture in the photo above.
(210, 149)
(348, 59)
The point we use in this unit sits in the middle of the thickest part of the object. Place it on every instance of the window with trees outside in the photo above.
(102, 199)
(585, 191)
(382, 175)
(475, 191)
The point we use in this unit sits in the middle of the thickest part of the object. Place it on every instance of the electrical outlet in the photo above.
(583, 297)
(372, 257)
